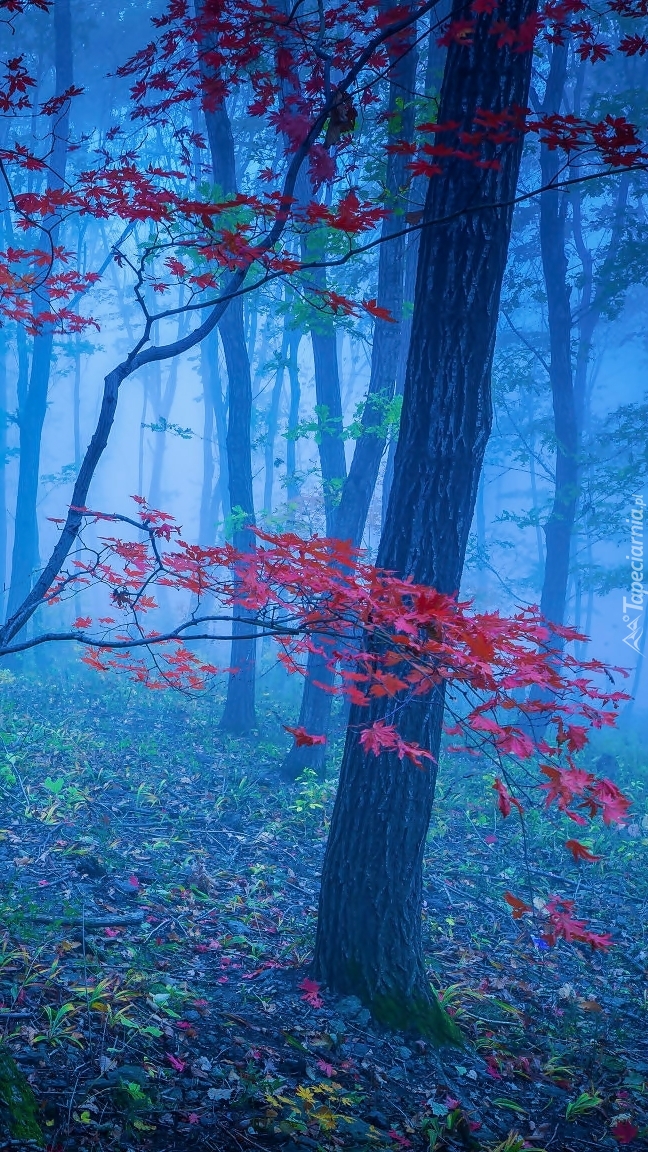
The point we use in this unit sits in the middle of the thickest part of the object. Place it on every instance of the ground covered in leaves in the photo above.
(157, 913)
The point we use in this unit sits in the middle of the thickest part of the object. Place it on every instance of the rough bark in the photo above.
(369, 928)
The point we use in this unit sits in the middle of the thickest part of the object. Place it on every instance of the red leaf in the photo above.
(518, 906)
(81, 622)
(374, 309)
(311, 988)
(624, 1131)
(504, 798)
(579, 851)
(178, 1065)
(304, 738)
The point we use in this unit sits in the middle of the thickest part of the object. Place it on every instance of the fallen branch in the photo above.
(92, 921)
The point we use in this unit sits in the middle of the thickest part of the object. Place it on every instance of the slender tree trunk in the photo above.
(3, 466)
(369, 927)
(436, 55)
(31, 413)
(347, 518)
(206, 532)
(165, 397)
(273, 421)
(553, 211)
(292, 482)
(239, 715)
(221, 408)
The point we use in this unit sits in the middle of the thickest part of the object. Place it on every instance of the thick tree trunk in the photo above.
(32, 411)
(553, 210)
(347, 519)
(369, 928)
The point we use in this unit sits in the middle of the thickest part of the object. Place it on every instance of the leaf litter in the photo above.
(157, 922)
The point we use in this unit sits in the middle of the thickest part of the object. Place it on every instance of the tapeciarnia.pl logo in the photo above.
(633, 608)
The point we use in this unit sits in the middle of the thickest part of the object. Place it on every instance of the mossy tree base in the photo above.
(369, 931)
(18, 1107)
(418, 1015)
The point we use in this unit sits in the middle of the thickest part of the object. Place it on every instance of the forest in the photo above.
(324, 473)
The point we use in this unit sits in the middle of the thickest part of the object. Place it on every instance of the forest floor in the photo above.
(157, 916)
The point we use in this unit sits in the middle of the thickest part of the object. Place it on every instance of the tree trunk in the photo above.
(206, 532)
(31, 413)
(347, 519)
(553, 211)
(239, 715)
(165, 398)
(436, 55)
(369, 938)
(292, 480)
(3, 467)
(273, 421)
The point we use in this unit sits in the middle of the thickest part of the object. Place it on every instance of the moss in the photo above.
(18, 1107)
(420, 1015)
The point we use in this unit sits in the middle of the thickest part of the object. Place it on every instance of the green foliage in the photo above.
(385, 411)
(586, 1102)
(312, 800)
(163, 425)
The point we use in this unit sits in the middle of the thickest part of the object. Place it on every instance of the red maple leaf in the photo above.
(504, 798)
(304, 738)
(518, 906)
(579, 851)
(311, 988)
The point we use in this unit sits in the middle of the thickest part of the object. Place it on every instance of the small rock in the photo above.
(363, 1019)
(350, 1007)
(405, 1053)
(338, 1028)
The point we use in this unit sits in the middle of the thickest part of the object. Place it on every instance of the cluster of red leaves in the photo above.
(24, 272)
(235, 42)
(392, 639)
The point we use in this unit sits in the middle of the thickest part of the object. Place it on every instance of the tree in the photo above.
(349, 513)
(31, 415)
(239, 714)
(369, 923)
(369, 931)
